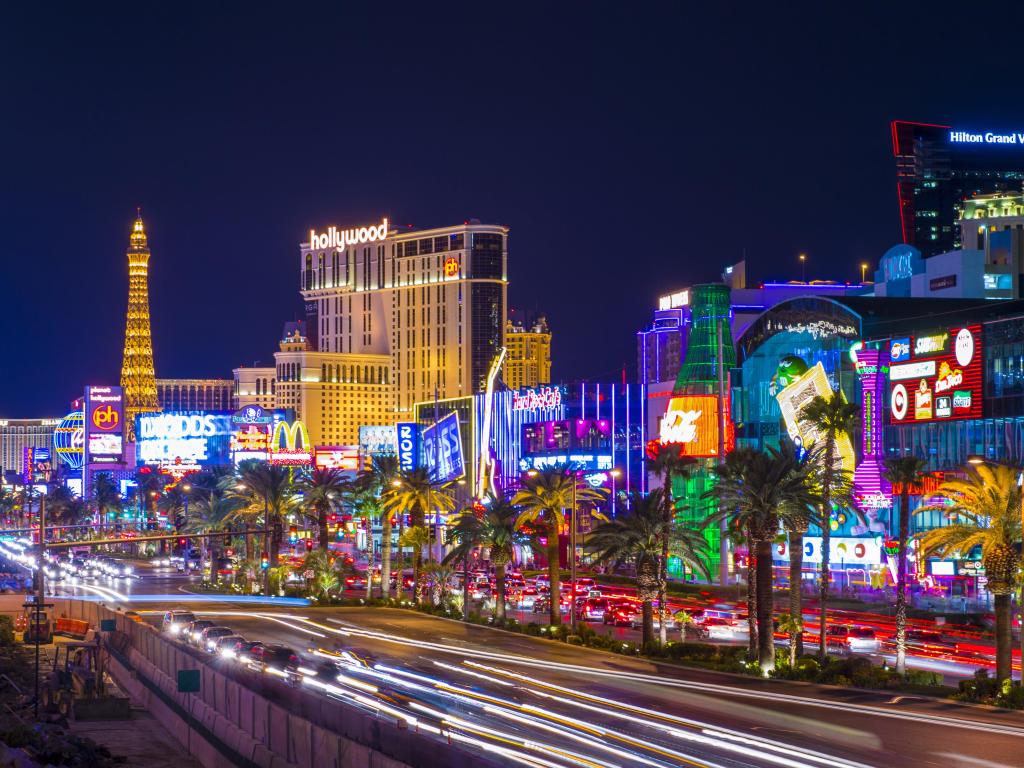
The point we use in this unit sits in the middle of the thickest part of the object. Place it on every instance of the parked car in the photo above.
(843, 638)
(176, 622)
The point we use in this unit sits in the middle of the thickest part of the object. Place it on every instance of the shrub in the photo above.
(574, 640)
(6, 630)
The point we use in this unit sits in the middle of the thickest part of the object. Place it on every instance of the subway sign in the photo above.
(941, 378)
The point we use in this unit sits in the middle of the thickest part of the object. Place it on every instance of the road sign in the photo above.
(188, 681)
(108, 625)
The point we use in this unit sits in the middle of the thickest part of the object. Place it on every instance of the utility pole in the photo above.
(572, 557)
(40, 592)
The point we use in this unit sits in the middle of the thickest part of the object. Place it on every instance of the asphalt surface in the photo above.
(550, 704)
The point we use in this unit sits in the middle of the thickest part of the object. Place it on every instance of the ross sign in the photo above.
(535, 399)
(692, 422)
(942, 381)
(442, 449)
(344, 457)
(408, 446)
(340, 238)
(104, 425)
(290, 445)
(183, 438)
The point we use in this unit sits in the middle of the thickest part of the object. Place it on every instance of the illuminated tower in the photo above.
(138, 378)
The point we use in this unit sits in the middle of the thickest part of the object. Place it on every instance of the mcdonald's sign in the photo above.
(289, 444)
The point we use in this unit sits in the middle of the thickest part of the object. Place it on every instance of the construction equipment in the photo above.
(76, 685)
(38, 623)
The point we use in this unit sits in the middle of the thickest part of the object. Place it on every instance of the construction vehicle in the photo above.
(37, 621)
(76, 686)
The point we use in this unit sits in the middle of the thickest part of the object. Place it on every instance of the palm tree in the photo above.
(209, 512)
(494, 529)
(669, 464)
(637, 535)
(378, 480)
(543, 499)
(793, 625)
(831, 417)
(756, 495)
(264, 490)
(321, 490)
(415, 494)
(106, 497)
(60, 503)
(905, 473)
(8, 503)
(984, 511)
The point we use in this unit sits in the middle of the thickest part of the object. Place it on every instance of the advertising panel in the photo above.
(200, 438)
(442, 449)
(941, 380)
(794, 398)
(378, 441)
(69, 440)
(104, 425)
(344, 457)
(843, 550)
(691, 421)
(37, 465)
(290, 445)
(408, 445)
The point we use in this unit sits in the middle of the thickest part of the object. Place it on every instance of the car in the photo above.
(355, 581)
(225, 642)
(195, 630)
(717, 628)
(177, 621)
(582, 586)
(592, 609)
(617, 612)
(274, 658)
(240, 650)
(208, 637)
(843, 638)
(635, 616)
(925, 636)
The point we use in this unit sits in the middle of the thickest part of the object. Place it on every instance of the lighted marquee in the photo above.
(692, 422)
(871, 491)
(344, 457)
(290, 445)
(941, 378)
(104, 424)
(69, 440)
(795, 397)
(183, 438)
(536, 399)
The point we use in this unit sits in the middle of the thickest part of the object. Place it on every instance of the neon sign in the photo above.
(290, 445)
(942, 381)
(166, 439)
(534, 399)
(339, 238)
(965, 137)
(691, 422)
(451, 267)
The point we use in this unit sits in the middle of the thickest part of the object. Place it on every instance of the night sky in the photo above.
(631, 148)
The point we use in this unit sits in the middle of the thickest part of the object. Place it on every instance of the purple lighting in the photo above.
(871, 492)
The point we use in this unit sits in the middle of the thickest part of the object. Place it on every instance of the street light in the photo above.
(803, 267)
(863, 271)
(975, 459)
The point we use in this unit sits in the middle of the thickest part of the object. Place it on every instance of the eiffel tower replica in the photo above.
(138, 376)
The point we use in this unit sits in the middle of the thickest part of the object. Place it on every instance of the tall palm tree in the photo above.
(321, 490)
(8, 503)
(832, 417)
(984, 511)
(670, 465)
(735, 467)
(264, 490)
(637, 535)
(210, 512)
(60, 505)
(417, 495)
(766, 489)
(106, 497)
(905, 473)
(543, 500)
(377, 480)
(494, 529)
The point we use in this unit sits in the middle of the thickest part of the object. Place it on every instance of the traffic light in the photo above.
(309, 545)
(264, 561)
(182, 542)
(293, 534)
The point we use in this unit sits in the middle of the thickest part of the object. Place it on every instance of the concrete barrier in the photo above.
(245, 718)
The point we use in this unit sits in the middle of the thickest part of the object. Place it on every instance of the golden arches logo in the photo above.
(290, 437)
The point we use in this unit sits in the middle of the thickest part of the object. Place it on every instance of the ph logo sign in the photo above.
(105, 417)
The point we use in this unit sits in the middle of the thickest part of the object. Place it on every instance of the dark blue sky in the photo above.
(631, 147)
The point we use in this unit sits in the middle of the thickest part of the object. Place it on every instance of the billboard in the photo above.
(290, 445)
(691, 422)
(69, 440)
(408, 445)
(378, 441)
(795, 397)
(200, 438)
(442, 450)
(104, 425)
(337, 457)
(941, 379)
(37, 465)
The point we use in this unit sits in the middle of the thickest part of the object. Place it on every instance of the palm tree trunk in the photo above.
(369, 559)
(751, 600)
(826, 545)
(399, 582)
(1004, 640)
(796, 575)
(499, 602)
(321, 521)
(901, 583)
(385, 555)
(647, 633)
(276, 537)
(663, 565)
(765, 627)
(554, 576)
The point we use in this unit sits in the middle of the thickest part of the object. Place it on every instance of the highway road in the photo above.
(534, 702)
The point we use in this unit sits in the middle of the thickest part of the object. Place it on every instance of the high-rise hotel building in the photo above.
(433, 301)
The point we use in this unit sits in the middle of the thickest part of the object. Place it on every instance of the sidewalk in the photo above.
(142, 740)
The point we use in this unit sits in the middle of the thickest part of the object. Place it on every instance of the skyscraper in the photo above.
(529, 354)
(138, 377)
(939, 167)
